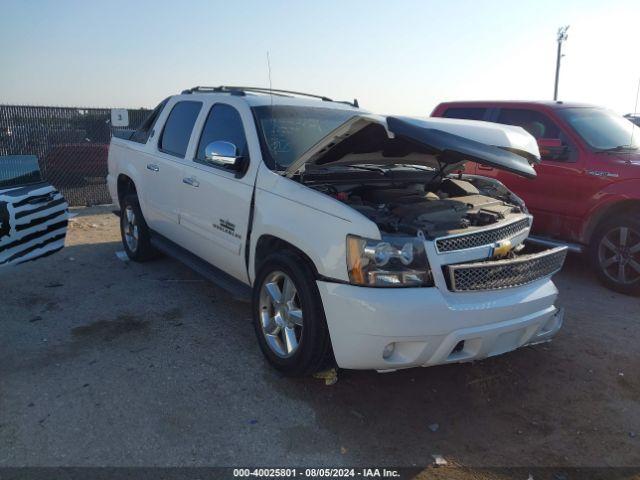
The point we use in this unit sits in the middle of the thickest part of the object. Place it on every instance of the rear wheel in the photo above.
(288, 316)
(136, 238)
(615, 254)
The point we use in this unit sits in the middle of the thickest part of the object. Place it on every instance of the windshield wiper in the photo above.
(329, 168)
(417, 167)
(368, 167)
(619, 148)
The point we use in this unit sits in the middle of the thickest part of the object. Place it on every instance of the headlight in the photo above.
(391, 262)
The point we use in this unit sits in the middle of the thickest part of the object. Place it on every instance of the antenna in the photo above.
(272, 140)
(635, 109)
(269, 69)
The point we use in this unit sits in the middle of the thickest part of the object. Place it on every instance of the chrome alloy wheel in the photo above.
(280, 314)
(130, 228)
(619, 255)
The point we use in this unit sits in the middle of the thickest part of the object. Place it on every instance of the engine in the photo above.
(453, 205)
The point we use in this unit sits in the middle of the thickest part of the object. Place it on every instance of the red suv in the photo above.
(587, 192)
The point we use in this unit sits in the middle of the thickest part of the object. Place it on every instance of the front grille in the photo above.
(498, 274)
(485, 237)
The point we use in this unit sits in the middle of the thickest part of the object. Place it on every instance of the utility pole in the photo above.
(562, 36)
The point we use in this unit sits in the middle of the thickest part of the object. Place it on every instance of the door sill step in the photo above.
(238, 290)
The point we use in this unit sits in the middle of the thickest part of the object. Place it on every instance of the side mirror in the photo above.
(553, 149)
(224, 154)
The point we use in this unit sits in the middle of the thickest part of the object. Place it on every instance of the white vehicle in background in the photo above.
(351, 233)
(33, 214)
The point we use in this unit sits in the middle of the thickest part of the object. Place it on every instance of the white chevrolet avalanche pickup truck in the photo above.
(354, 235)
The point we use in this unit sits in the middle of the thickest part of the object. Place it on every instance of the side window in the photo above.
(141, 135)
(465, 113)
(223, 123)
(178, 128)
(536, 123)
(553, 143)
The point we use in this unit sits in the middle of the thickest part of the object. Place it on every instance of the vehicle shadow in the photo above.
(533, 406)
(132, 326)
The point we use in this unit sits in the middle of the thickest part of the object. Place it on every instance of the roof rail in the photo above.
(235, 90)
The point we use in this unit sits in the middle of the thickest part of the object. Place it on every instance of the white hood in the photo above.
(434, 142)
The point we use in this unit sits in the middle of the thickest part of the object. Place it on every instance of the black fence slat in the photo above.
(71, 145)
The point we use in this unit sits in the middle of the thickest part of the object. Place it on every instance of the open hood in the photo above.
(433, 142)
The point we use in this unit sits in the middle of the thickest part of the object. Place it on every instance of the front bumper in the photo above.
(430, 327)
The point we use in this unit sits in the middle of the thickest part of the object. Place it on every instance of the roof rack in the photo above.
(234, 90)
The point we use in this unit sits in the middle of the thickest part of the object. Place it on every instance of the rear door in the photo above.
(164, 167)
(216, 200)
(33, 214)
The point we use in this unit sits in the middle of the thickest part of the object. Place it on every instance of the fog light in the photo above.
(388, 350)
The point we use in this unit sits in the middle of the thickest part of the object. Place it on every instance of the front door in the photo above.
(216, 200)
(550, 196)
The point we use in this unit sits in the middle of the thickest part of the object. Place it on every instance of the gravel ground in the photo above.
(105, 362)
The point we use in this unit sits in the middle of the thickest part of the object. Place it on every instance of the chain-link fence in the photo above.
(70, 143)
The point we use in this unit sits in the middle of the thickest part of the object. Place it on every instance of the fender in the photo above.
(321, 235)
(618, 196)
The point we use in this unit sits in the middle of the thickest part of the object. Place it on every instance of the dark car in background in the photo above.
(76, 164)
(587, 191)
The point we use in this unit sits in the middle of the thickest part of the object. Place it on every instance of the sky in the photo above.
(398, 57)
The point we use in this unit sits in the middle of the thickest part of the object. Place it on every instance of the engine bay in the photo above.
(425, 204)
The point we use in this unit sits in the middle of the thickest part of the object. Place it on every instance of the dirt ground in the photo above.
(106, 362)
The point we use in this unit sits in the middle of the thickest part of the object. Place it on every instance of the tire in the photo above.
(300, 315)
(615, 254)
(136, 238)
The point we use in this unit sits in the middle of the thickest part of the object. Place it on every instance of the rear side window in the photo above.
(465, 113)
(141, 135)
(223, 123)
(536, 123)
(178, 128)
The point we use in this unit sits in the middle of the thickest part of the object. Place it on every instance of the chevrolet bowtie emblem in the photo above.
(501, 249)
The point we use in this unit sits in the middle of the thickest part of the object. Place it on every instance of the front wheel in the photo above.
(615, 254)
(288, 316)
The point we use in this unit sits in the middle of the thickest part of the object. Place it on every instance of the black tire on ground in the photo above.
(314, 348)
(613, 243)
(142, 250)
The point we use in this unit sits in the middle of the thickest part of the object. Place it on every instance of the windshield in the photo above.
(602, 129)
(287, 131)
(18, 170)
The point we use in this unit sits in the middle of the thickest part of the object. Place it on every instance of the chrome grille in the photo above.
(485, 237)
(498, 274)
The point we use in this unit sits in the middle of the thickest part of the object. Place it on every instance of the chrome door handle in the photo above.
(153, 167)
(191, 181)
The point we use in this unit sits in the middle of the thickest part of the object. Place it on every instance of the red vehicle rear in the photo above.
(74, 164)
(587, 192)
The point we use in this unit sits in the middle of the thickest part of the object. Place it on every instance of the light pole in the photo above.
(562, 36)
